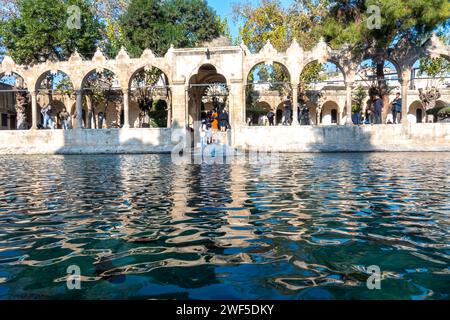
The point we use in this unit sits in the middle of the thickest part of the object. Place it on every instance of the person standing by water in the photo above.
(48, 122)
(378, 108)
(397, 109)
(271, 117)
(215, 121)
(223, 120)
(64, 116)
(287, 113)
(203, 129)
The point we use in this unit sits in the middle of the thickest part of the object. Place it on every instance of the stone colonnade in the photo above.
(234, 63)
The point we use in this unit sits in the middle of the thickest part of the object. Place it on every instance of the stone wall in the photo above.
(86, 141)
(413, 137)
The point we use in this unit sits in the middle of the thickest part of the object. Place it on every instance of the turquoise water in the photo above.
(139, 227)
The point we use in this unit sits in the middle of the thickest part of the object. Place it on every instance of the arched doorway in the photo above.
(152, 102)
(102, 96)
(329, 115)
(16, 107)
(208, 90)
(268, 81)
(416, 113)
(54, 88)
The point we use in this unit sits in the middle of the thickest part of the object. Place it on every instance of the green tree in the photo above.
(37, 30)
(359, 97)
(157, 24)
(378, 25)
(269, 20)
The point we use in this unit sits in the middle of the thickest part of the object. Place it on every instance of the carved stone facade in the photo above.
(188, 69)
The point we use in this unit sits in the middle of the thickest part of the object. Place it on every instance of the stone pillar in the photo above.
(34, 110)
(126, 108)
(404, 93)
(179, 105)
(79, 108)
(295, 105)
(348, 102)
(236, 100)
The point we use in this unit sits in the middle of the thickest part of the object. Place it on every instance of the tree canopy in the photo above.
(157, 24)
(36, 30)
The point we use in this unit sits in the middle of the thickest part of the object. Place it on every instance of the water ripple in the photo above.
(141, 227)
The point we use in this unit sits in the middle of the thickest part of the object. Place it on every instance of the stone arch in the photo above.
(103, 112)
(92, 71)
(207, 74)
(15, 74)
(412, 112)
(395, 63)
(143, 67)
(43, 74)
(329, 60)
(264, 61)
(210, 65)
(398, 69)
(19, 105)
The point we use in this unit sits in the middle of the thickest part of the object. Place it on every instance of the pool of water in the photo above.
(139, 227)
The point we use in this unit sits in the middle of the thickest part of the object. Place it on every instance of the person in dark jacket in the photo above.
(378, 108)
(397, 109)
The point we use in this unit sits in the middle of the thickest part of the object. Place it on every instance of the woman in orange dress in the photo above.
(215, 122)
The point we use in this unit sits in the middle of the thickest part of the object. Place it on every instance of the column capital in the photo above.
(349, 83)
(125, 91)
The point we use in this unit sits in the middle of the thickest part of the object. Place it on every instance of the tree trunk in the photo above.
(22, 102)
(382, 88)
(119, 108)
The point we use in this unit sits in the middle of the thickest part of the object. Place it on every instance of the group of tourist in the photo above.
(375, 108)
(215, 121)
(373, 113)
(49, 123)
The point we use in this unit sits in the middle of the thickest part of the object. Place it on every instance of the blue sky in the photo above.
(225, 9)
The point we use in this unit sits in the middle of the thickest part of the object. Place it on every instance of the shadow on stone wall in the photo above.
(117, 141)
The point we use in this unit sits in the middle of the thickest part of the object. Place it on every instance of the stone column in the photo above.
(79, 108)
(348, 102)
(295, 105)
(126, 108)
(34, 110)
(179, 105)
(404, 93)
(237, 107)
